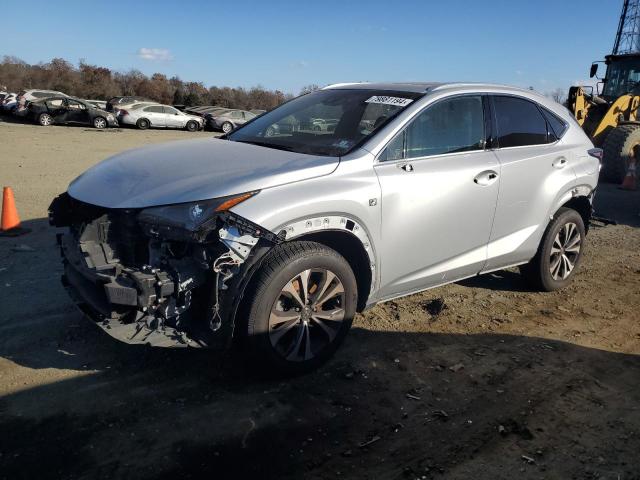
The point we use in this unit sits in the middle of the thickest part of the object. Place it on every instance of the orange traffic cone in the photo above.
(629, 182)
(10, 219)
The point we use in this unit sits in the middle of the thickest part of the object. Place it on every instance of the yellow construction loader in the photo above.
(610, 117)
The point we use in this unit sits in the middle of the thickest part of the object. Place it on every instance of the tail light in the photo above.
(122, 112)
(596, 153)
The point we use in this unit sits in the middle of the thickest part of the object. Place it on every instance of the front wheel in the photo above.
(99, 123)
(559, 253)
(45, 119)
(227, 127)
(301, 308)
(192, 126)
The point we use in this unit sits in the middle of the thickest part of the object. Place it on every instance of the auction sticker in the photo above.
(397, 101)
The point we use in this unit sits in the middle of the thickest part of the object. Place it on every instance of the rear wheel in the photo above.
(99, 122)
(192, 126)
(45, 119)
(302, 307)
(619, 149)
(559, 253)
(227, 127)
(143, 124)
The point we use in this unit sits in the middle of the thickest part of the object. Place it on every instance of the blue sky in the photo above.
(287, 44)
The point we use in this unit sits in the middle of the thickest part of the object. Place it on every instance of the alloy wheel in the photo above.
(45, 120)
(99, 123)
(565, 251)
(307, 314)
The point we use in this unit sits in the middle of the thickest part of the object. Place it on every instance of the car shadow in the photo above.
(389, 403)
(504, 280)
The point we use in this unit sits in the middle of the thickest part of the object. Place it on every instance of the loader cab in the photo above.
(622, 77)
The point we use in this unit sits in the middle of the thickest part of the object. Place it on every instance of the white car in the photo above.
(144, 116)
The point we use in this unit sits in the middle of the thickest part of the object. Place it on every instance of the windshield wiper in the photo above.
(267, 144)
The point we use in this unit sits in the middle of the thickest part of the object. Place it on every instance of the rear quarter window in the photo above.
(519, 122)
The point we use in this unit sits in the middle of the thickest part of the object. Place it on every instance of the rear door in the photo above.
(57, 108)
(439, 187)
(77, 112)
(535, 167)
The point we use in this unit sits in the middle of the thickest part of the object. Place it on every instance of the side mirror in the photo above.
(594, 70)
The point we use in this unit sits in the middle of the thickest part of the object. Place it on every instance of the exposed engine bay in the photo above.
(166, 276)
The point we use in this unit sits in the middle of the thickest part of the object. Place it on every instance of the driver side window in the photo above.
(449, 126)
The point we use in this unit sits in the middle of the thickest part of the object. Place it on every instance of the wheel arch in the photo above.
(353, 251)
(578, 199)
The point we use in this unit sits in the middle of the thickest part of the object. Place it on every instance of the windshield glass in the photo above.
(325, 122)
(623, 76)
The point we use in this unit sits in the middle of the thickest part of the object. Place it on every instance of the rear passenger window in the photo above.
(519, 122)
(154, 110)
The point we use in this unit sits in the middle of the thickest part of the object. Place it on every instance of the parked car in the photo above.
(67, 110)
(9, 102)
(278, 241)
(116, 102)
(228, 120)
(27, 96)
(101, 104)
(160, 116)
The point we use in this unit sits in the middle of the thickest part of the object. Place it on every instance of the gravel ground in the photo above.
(481, 379)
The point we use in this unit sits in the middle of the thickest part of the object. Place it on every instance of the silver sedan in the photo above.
(144, 116)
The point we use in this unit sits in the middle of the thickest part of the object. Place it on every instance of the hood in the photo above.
(190, 171)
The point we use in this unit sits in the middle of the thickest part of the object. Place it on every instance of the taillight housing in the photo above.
(123, 112)
(596, 153)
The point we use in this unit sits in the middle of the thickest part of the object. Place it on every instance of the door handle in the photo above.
(559, 163)
(485, 178)
(407, 167)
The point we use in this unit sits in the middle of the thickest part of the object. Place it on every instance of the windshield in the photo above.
(623, 76)
(325, 122)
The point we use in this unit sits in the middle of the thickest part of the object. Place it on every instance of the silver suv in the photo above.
(277, 237)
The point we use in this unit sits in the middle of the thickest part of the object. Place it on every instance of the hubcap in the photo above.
(307, 315)
(565, 251)
(46, 119)
(99, 123)
(226, 128)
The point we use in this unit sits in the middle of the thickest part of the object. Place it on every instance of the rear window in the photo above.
(519, 122)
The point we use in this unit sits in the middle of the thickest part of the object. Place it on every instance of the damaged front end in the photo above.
(166, 276)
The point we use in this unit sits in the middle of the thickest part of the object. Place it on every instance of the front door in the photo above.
(439, 190)
(77, 112)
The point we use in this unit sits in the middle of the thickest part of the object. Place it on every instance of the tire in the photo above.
(192, 126)
(143, 124)
(273, 325)
(45, 119)
(270, 132)
(559, 235)
(227, 127)
(100, 123)
(618, 151)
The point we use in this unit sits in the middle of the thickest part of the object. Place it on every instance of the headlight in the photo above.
(191, 216)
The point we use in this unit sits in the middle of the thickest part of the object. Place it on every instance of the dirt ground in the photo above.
(498, 382)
